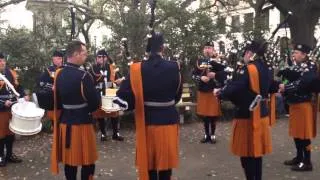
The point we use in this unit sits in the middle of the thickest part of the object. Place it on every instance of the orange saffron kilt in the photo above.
(162, 146)
(83, 149)
(50, 114)
(301, 121)
(208, 104)
(4, 124)
(242, 138)
(98, 114)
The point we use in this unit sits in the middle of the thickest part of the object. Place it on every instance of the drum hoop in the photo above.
(14, 113)
(26, 118)
(23, 132)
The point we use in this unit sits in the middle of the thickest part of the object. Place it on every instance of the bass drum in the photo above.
(44, 98)
(26, 118)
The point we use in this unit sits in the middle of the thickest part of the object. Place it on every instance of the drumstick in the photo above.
(11, 101)
(9, 84)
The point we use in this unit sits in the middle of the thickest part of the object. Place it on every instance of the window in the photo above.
(235, 24)
(248, 22)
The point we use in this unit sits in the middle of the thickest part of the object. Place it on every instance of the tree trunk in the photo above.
(85, 34)
(258, 25)
(302, 29)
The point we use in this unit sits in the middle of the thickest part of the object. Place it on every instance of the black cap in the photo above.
(257, 47)
(155, 42)
(209, 43)
(102, 52)
(302, 47)
(57, 53)
(1, 55)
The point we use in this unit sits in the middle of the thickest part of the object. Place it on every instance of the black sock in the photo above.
(114, 123)
(153, 175)
(9, 144)
(307, 151)
(2, 142)
(102, 125)
(206, 122)
(70, 172)
(87, 171)
(299, 148)
(248, 167)
(165, 175)
(258, 168)
(213, 125)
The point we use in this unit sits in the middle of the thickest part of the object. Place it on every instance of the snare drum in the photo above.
(26, 118)
(108, 105)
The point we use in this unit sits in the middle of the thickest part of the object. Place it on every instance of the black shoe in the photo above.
(206, 139)
(2, 162)
(213, 139)
(291, 162)
(117, 137)
(103, 137)
(302, 167)
(13, 159)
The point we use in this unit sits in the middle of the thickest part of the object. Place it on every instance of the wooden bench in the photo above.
(185, 103)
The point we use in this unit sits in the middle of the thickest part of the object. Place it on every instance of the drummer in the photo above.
(7, 98)
(46, 82)
(104, 74)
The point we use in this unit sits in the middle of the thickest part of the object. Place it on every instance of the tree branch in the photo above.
(282, 5)
(208, 7)
(251, 3)
(260, 4)
(268, 8)
(2, 5)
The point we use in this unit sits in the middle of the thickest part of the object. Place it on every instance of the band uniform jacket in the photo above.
(239, 93)
(7, 94)
(300, 77)
(97, 72)
(44, 90)
(203, 66)
(161, 83)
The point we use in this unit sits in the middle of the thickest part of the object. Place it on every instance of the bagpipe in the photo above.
(264, 46)
(315, 53)
(152, 4)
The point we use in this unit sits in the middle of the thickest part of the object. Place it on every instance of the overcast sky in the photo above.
(17, 16)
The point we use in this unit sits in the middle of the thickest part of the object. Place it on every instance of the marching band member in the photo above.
(7, 98)
(302, 119)
(208, 106)
(152, 88)
(45, 92)
(104, 75)
(74, 139)
(251, 138)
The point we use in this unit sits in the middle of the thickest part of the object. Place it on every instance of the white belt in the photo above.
(159, 104)
(74, 106)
